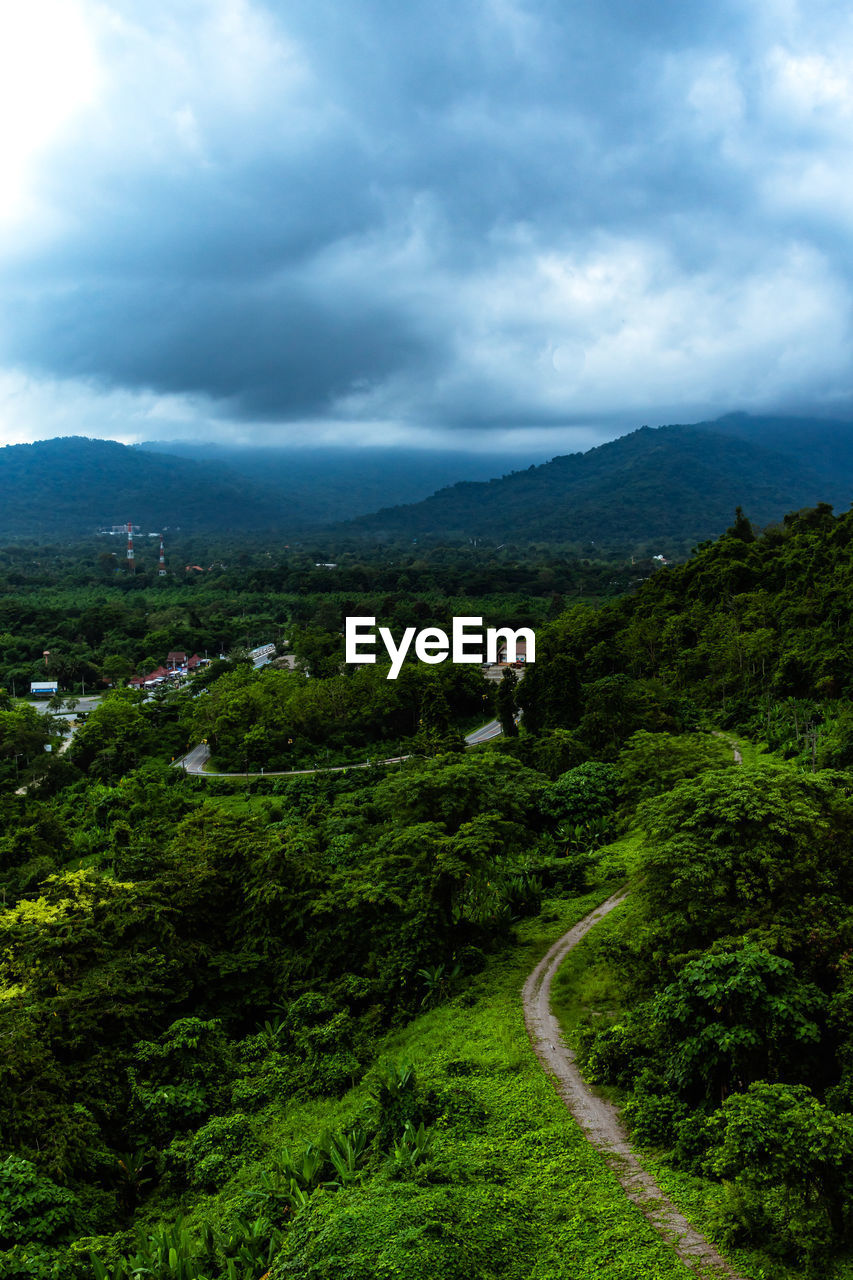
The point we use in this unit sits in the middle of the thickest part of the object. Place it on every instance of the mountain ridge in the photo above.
(659, 489)
(676, 485)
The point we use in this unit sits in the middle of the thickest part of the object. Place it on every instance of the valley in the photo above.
(261, 1017)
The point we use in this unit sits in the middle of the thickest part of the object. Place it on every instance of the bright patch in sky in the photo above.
(48, 73)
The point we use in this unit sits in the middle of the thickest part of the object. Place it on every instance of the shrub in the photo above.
(32, 1208)
(587, 792)
(215, 1153)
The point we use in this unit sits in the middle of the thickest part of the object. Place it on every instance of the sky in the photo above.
(493, 224)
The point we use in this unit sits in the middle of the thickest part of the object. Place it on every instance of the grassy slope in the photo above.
(516, 1191)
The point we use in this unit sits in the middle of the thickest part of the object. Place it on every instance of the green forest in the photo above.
(271, 1027)
(656, 489)
(71, 486)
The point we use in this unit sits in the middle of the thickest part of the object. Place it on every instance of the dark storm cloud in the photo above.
(481, 213)
(262, 348)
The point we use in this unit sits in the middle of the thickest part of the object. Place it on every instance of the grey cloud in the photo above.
(469, 214)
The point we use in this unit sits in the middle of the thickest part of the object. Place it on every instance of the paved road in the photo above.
(83, 704)
(485, 733)
(194, 761)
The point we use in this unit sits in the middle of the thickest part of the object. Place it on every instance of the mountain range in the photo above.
(72, 486)
(657, 489)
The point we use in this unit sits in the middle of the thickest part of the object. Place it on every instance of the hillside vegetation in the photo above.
(70, 487)
(271, 1028)
(661, 490)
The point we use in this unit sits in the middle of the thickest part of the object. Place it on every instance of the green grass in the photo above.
(586, 987)
(515, 1190)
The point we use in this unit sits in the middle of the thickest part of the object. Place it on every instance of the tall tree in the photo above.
(505, 703)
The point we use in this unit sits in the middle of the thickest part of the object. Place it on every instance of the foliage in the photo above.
(664, 489)
(789, 1159)
(204, 983)
(751, 848)
(32, 1208)
(733, 1017)
(505, 703)
(583, 794)
(651, 764)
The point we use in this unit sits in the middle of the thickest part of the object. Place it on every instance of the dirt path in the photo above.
(732, 742)
(599, 1119)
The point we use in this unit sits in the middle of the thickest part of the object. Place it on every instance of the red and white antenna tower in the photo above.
(131, 559)
(161, 572)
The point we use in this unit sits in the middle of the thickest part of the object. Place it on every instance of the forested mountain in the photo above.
(822, 445)
(657, 490)
(70, 487)
(664, 489)
(731, 1039)
(756, 631)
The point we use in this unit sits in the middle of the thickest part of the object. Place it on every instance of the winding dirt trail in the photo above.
(599, 1119)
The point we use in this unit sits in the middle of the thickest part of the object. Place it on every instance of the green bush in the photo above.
(32, 1208)
(34, 1262)
(652, 1114)
(180, 1078)
(216, 1152)
(614, 1054)
(587, 792)
(788, 1161)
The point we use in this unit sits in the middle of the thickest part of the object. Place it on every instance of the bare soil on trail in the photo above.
(598, 1118)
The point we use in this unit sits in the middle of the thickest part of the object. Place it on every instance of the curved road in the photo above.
(194, 761)
(599, 1119)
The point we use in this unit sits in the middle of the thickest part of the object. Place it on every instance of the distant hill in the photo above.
(661, 489)
(658, 490)
(69, 487)
(823, 445)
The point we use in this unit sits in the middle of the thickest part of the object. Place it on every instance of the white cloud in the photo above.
(621, 326)
(34, 408)
(49, 73)
(810, 87)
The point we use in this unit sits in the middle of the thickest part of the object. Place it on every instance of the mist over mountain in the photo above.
(72, 486)
(823, 445)
(330, 483)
